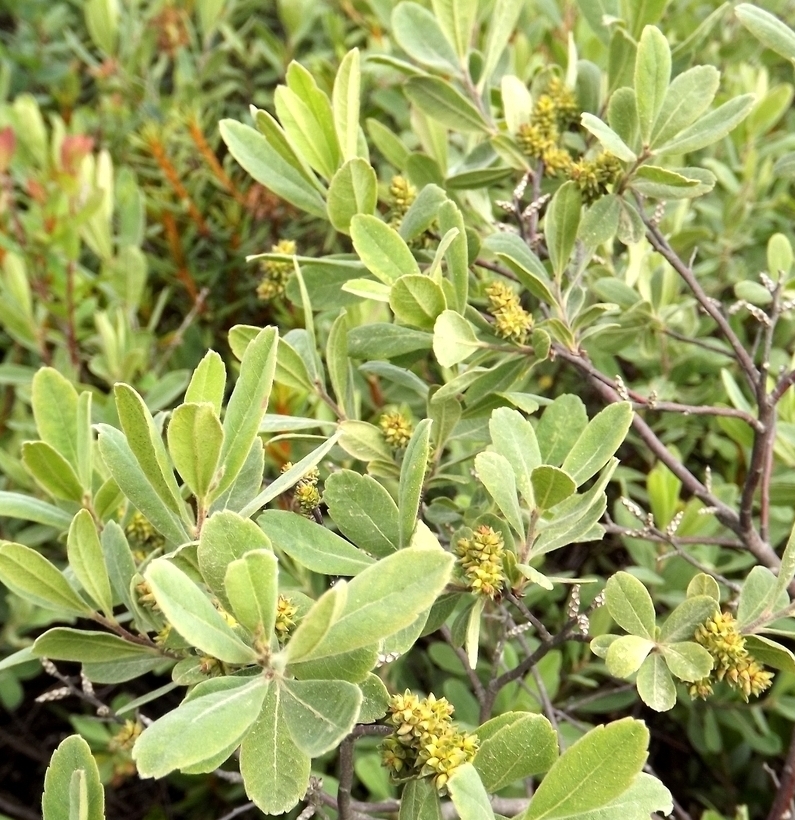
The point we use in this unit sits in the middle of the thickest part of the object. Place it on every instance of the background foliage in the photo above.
(525, 273)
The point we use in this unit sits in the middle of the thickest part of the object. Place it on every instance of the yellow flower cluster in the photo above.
(403, 194)
(481, 558)
(306, 493)
(425, 743)
(552, 113)
(721, 637)
(396, 428)
(594, 175)
(275, 274)
(511, 320)
(144, 538)
(285, 617)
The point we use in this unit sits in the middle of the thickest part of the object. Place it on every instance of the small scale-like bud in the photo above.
(276, 272)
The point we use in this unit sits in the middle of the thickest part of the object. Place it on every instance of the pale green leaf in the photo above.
(363, 511)
(200, 727)
(353, 190)
(453, 338)
(709, 129)
(652, 75)
(595, 770)
(247, 405)
(443, 103)
(275, 771)
(768, 29)
(496, 475)
(513, 746)
(345, 105)
(655, 684)
(31, 576)
(598, 441)
(86, 646)
(681, 624)
(412, 477)
(54, 403)
(625, 655)
(417, 300)
(607, 137)
(382, 249)
(420, 801)
(457, 19)
(418, 33)
(502, 23)
(256, 155)
(703, 584)
(88, 561)
(687, 660)
(689, 95)
(319, 713)
(195, 438)
(645, 796)
(191, 614)
(225, 537)
(51, 471)
(468, 795)
(208, 382)
(551, 485)
(630, 605)
(312, 545)
(59, 801)
(85, 440)
(252, 588)
(561, 223)
(600, 222)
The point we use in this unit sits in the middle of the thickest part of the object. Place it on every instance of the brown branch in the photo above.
(786, 790)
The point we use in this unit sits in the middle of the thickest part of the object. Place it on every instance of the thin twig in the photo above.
(238, 811)
(474, 680)
(786, 790)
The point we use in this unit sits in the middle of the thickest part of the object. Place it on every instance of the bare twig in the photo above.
(786, 790)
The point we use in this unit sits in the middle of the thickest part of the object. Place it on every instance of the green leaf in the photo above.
(456, 254)
(290, 368)
(442, 102)
(345, 105)
(768, 29)
(31, 576)
(702, 584)
(86, 646)
(257, 156)
(200, 727)
(252, 587)
(551, 485)
(312, 545)
(630, 605)
(687, 660)
(353, 666)
(468, 795)
(625, 655)
(225, 537)
(385, 341)
(621, 59)
(655, 684)
(363, 511)
(307, 119)
(146, 444)
(681, 624)
(247, 405)
(382, 249)
(598, 441)
(664, 183)
(561, 223)
(770, 653)
(600, 222)
(417, 300)
(87, 561)
(387, 142)
(689, 95)
(607, 137)
(453, 338)
(496, 475)
(375, 699)
(127, 473)
(353, 190)
(195, 438)
(502, 22)
(787, 569)
(652, 75)
(514, 438)
(513, 746)
(758, 596)
(417, 31)
(598, 13)
(85, 440)
(51, 471)
(711, 128)
(378, 602)
(457, 19)
(645, 796)
(208, 382)
(412, 477)
(275, 771)
(54, 403)
(71, 765)
(595, 770)
(338, 364)
(319, 713)
(420, 801)
(190, 612)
